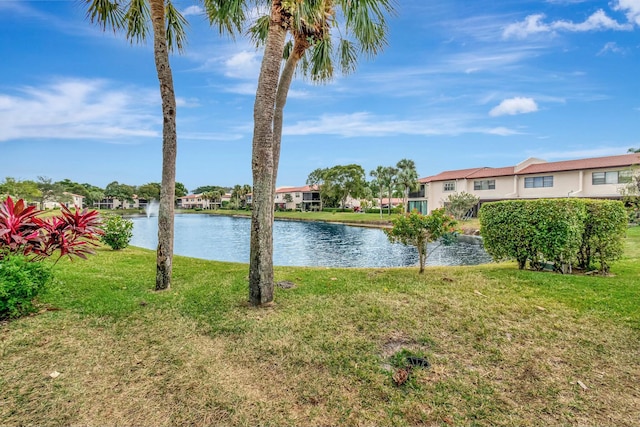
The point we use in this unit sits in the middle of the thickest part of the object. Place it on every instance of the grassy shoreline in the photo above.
(507, 347)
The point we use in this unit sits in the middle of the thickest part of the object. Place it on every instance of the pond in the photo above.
(298, 243)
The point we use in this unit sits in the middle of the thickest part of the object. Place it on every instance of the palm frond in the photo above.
(228, 15)
(321, 63)
(348, 56)
(259, 30)
(137, 20)
(176, 28)
(105, 13)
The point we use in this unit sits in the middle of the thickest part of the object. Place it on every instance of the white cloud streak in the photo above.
(193, 10)
(363, 124)
(79, 109)
(513, 106)
(534, 24)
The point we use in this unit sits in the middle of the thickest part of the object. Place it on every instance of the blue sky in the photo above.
(461, 84)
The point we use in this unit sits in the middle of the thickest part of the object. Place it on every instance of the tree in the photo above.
(150, 191)
(415, 229)
(407, 178)
(388, 179)
(633, 150)
(27, 190)
(119, 191)
(168, 31)
(346, 181)
(51, 192)
(384, 177)
(180, 190)
(459, 204)
(309, 23)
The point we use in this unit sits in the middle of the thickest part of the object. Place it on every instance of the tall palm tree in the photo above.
(389, 179)
(168, 32)
(379, 174)
(407, 178)
(309, 23)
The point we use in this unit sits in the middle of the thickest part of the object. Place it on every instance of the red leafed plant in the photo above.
(71, 233)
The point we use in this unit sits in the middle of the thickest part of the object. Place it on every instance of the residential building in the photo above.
(299, 198)
(194, 201)
(600, 177)
(76, 200)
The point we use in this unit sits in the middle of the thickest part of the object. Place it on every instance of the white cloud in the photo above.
(582, 153)
(512, 106)
(597, 21)
(243, 65)
(631, 8)
(193, 10)
(79, 109)
(533, 24)
(610, 47)
(364, 124)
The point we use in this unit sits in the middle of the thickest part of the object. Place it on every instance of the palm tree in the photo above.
(407, 178)
(379, 174)
(168, 31)
(389, 179)
(309, 22)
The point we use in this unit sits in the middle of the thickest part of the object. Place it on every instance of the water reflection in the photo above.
(296, 243)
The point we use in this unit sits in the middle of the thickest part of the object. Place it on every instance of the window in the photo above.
(449, 186)
(618, 177)
(485, 184)
(538, 182)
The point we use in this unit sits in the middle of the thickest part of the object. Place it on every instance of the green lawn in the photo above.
(506, 347)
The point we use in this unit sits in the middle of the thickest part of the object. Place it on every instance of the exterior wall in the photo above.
(601, 190)
(565, 184)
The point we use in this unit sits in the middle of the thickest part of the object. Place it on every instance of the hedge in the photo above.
(559, 232)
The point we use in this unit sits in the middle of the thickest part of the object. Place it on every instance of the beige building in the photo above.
(299, 198)
(76, 200)
(601, 177)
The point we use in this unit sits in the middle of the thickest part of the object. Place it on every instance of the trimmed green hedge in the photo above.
(20, 282)
(561, 232)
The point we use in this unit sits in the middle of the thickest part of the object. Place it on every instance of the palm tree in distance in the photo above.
(309, 23)
(407, 178)
(168, 27)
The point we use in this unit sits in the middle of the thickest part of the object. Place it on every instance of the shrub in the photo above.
(415, 229)
(605, 228)
(117, 232)
(20, 282)
(561, 231)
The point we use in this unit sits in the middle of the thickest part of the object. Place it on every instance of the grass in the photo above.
(506, 347)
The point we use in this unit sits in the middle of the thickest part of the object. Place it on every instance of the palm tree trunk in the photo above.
(299, 47)
(169, 148)
(381, 202)
(261, 255)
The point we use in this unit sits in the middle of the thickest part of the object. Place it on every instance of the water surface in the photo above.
(298, 243)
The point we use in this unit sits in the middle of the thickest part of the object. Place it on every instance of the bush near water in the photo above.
(561, 232)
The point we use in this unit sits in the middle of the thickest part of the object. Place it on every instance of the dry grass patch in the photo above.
(506, 348)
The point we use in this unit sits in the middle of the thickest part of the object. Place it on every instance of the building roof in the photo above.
(304, 189)
(623, 160)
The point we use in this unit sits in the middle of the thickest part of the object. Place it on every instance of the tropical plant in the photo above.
(118, 231)
(407, 178)
(168, 31)
(309, 23)
(70, 234)
(415, 229)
